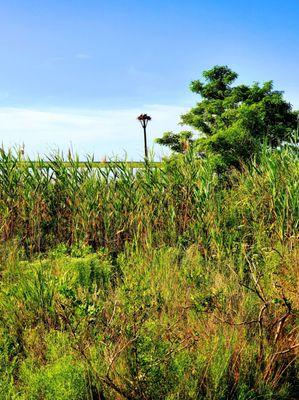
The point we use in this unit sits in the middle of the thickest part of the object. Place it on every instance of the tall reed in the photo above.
(44, 204)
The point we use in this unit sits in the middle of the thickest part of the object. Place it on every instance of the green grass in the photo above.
(157, 283)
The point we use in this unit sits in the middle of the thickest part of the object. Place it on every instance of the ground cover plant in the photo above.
(166, 282)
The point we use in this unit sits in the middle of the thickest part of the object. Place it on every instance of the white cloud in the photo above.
(100, 132)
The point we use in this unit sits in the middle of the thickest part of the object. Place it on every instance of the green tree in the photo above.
(179, 142)
(232, 121)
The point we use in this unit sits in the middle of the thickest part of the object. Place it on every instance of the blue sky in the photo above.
(77, 73)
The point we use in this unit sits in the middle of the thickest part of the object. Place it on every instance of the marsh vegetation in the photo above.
(169, 282)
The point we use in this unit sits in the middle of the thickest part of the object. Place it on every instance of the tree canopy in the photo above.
(232, 121)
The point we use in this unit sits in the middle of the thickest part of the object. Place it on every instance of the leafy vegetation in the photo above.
(233, 121)
(169, 282)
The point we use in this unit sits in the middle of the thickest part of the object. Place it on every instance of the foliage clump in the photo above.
(233, 121)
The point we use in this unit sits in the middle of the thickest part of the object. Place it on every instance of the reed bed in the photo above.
(45, 204)
(166, 282)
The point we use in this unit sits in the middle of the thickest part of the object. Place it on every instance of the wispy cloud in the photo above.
(83, 56)
(100, 132)
(4, 95)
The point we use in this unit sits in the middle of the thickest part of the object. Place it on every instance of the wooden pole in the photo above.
(144, 123)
